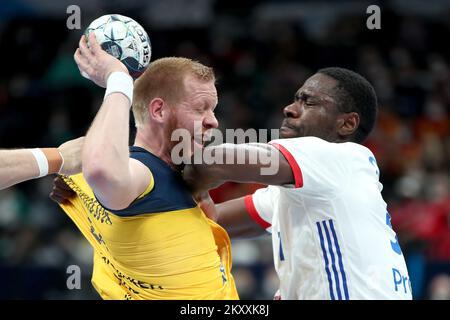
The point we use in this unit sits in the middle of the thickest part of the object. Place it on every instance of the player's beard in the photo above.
(172, 125)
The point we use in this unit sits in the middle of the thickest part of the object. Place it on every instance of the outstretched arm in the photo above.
(256, 162)
(17, 166)
(115, 179)
(25, 164)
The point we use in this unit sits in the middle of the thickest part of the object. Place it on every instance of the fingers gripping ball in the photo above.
(125, 39)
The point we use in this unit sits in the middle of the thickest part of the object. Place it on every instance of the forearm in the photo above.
(17, 166)
(105, 153)
(259, 163)
(25, 164)
(234, 218)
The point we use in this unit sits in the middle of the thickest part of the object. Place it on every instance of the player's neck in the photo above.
(153, 144)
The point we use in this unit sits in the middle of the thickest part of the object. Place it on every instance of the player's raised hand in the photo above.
(95, 63)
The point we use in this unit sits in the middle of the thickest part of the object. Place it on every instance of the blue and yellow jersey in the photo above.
(161, 247)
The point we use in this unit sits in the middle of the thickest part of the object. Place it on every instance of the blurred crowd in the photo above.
(262, 52)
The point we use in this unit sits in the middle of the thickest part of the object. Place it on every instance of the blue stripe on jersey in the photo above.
(341, 264)
(333, 262)
(169, 192)
(325, 256)
(281, 248)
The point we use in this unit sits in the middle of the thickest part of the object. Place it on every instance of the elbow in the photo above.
(105, 184)
(109, 183)
(95, 170)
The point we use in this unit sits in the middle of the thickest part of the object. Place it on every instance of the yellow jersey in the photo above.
(161, 247)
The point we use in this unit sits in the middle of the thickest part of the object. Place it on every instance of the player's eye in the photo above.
(200, 109)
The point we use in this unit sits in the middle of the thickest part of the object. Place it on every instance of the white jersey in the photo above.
(331, 232)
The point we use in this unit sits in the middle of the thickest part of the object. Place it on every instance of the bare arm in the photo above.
(115, 178)
(232, 216)
(112, 175)
(258, 162)
(17, 166)
(247, 165)
(20, 165)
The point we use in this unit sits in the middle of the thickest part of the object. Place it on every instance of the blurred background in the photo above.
(262, 52)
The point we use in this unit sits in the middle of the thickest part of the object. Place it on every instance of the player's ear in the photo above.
(156, 109)
(348, 124)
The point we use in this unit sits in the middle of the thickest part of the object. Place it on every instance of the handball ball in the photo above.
(125, 39)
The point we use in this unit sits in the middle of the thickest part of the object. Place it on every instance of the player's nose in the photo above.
(291, 111)
(210, 121)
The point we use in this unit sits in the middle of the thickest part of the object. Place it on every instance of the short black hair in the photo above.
(355, 94)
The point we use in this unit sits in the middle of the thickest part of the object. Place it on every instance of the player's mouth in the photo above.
(198, 144)
(286, 126)
(287, 130)
(198, 141)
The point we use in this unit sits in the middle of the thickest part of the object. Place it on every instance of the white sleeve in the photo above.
(319, 167)
(260, 206)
